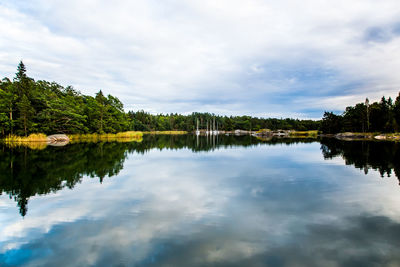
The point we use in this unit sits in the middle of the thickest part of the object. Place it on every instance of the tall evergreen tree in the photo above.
(103, 107)
(22, 81)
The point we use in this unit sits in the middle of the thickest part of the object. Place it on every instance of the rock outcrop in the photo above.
(57, 140)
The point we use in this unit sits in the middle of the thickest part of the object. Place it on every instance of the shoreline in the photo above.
(371, 136)
(40, 140)
(40, 137)
(138, 135)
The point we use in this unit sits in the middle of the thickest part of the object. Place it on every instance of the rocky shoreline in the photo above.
(367, 136)
(346, 136)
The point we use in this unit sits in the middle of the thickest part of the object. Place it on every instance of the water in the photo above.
(187, 201)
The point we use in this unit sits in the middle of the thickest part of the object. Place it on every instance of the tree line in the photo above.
(144, 121)
(382, 116)
(28, 106)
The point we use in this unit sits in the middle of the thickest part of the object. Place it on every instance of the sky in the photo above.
(256, 57)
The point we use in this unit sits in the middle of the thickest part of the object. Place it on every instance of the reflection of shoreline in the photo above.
(32, 169)
(28, 172)
(353, 136)
(58, 143)
(243, 218)
(383, 156)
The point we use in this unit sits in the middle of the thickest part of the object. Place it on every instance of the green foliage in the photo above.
(28, 106)
(331, 123)
(143, 121)
(25, 111)
(382, 116)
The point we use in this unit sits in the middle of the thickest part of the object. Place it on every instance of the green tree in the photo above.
(22, 81)
(331, 123)
(396, 113)
(117, 119)
(354, 118)
(102, 108)
(7, 102)
(26, 111)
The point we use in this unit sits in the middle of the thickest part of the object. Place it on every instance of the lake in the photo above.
(201, 201)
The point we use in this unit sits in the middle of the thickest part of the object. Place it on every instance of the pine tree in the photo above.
(102, 110)
(21, 80)
(21, 72)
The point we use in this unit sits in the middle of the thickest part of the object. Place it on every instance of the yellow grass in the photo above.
(39, 137)
(31, 145)
(119, 137)
(39, 141)
(312, 134)
(33, 141)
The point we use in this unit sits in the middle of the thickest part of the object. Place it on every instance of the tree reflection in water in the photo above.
(365, 155)
(25, 172)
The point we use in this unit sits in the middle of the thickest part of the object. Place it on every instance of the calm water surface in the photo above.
(187, 201)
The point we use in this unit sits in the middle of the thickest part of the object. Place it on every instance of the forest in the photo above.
(382, 116)
(144, 121)
(28, 106)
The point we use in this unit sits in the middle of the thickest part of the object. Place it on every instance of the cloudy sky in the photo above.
(255, 57)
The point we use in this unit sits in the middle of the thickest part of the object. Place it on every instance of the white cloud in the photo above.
(183, 56)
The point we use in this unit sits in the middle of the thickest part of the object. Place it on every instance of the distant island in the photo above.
(28, 106)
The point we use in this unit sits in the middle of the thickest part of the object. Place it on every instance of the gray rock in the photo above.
(57, 138)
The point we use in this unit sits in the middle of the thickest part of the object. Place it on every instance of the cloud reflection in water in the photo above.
(255, 206)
